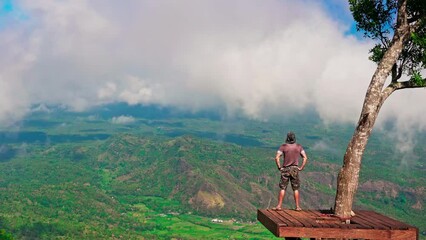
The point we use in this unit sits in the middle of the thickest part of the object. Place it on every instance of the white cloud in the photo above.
(261, 59)
(41, 108)
(123, 120)
(93, 118)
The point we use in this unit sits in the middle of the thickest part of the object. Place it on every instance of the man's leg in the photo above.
(297, 199)
(295, 183)
(280, 198)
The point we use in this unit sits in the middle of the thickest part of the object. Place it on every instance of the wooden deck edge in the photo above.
(268, 223)
(281, 229)
(347, 233)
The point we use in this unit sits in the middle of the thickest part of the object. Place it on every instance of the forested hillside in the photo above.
(160, 175)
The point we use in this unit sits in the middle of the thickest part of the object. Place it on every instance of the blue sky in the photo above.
(6, 9)
(339, 10)
(7, 6)
(10, 12)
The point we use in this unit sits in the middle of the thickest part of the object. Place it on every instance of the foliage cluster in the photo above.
(377, 20)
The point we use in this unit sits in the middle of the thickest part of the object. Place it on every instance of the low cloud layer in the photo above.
(123, 120)
(259, 59)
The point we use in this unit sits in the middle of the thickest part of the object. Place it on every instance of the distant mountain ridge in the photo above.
(224, 179)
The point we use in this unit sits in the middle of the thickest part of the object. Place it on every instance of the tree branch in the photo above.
(394, 73)
(407, 84)
(397, 71)
(393, 86)
(413, 27)
(413, 19)
(400, 70)
(401, 19)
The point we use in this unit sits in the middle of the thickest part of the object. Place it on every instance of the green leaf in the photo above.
(418, 79)
(5, 235)
(377, 53)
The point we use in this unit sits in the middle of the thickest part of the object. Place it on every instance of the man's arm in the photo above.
(305, 159)
(277, 159)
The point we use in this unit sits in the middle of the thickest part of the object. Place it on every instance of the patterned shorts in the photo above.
(291, 174)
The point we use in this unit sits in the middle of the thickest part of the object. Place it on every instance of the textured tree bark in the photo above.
(347, 182)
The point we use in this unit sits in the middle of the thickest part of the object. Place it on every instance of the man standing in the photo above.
(291, 152)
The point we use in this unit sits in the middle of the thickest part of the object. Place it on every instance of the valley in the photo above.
(168, 175)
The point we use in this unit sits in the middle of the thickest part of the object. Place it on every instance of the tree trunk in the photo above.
(347, 182)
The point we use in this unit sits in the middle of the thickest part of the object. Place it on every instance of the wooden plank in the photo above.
(322, 219)
(351, 226)
(315, 214)
(325, 220)
(307, 219)
(363, 223)
(285, 213)
(268, 222)
(392, 223)
(345, 233)
(363, 218)
(412, 233)
(304, 217)
(291, 222)
(269, 214)
(334, 221)
(367, 217)
(284, 220)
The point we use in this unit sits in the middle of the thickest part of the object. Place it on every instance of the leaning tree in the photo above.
(399, 29)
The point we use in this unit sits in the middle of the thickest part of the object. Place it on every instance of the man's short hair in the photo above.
(291, 137)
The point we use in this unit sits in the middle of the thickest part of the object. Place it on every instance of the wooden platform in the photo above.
(318, 224)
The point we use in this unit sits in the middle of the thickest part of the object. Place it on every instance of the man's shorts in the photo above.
(291, 174)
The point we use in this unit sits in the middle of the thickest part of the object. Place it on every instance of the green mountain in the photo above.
(76, 176)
